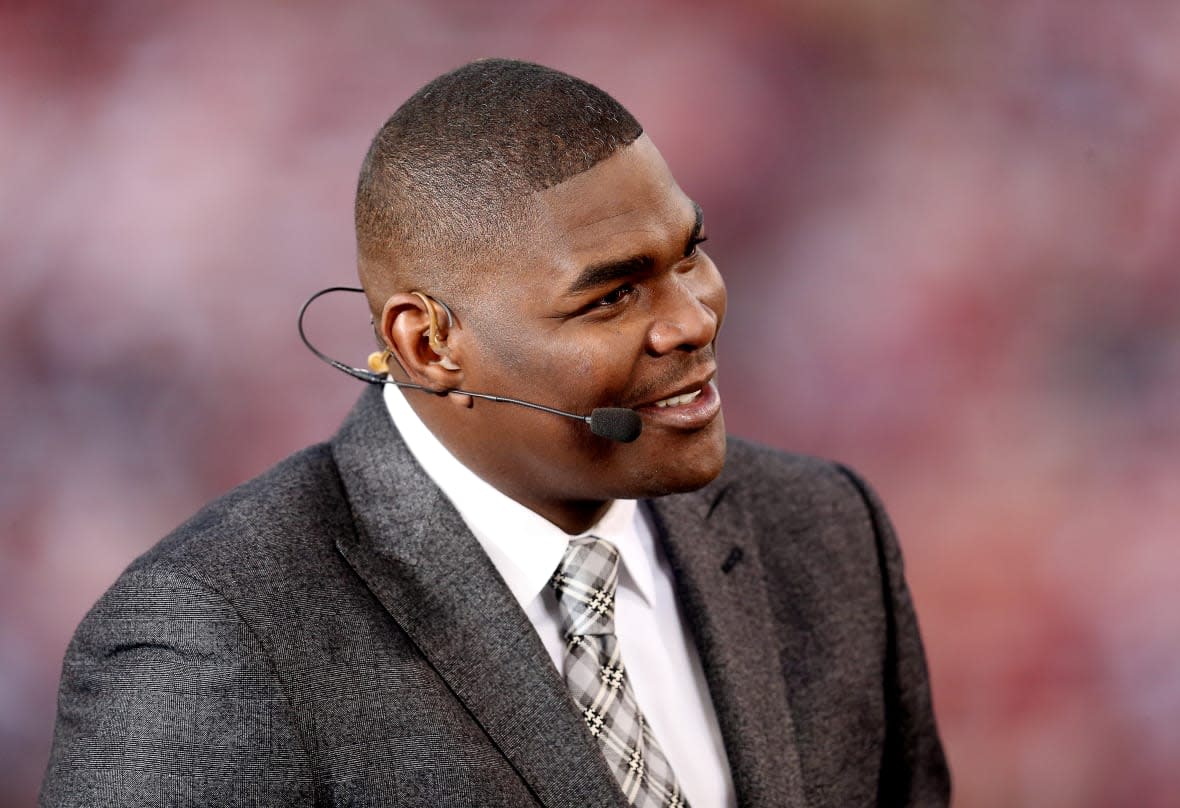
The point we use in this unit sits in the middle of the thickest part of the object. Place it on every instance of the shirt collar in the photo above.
(524, 546)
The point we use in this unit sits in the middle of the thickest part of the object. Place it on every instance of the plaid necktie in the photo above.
(585, 584)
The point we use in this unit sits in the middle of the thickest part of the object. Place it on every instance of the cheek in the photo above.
(572, 369)
(713, 293)
(580, 374)
(505, 347)
(567, 371)
(606, 358)
(583, 365)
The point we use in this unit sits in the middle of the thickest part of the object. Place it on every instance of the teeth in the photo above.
(676, 401)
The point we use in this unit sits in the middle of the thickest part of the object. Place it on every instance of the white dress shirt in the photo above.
(655, 644)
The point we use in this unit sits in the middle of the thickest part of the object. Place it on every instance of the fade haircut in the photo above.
(447, 179)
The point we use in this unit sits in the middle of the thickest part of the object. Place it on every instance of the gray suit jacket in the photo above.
(332, 634)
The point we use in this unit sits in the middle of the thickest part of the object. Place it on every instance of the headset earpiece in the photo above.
(437, 345)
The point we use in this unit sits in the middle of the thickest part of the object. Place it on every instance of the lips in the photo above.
(679, 394)
(692, 407)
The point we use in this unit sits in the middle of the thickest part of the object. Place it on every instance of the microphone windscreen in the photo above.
(616, 423)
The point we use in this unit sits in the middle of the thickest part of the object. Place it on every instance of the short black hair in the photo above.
(450, 171)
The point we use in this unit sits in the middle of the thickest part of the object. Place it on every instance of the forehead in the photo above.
(627, 204)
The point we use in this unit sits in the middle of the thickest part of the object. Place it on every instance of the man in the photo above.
(422, 612)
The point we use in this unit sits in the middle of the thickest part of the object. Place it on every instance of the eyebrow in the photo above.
(606, 272)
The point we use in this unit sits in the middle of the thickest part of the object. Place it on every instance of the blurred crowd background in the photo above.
(950, 230)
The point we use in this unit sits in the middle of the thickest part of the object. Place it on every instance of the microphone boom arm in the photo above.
(616, 423)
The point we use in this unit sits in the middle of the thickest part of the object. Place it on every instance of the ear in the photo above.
(416, 328)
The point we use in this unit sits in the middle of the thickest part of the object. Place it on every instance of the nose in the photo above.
(689, 312)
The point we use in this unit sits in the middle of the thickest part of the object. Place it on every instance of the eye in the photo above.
(693, 244)
(615, 296)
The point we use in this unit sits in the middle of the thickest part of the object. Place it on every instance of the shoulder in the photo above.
(266, 547)
(803, 481)
(178, 649)
(803, 505)
(301, 490)
(745, 458)
(274, 532)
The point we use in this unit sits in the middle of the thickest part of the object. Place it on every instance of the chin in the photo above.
(698, 479)
(689, 467)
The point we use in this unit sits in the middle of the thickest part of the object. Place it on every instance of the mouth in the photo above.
(693, 406)
(687, 392)
(676, 401)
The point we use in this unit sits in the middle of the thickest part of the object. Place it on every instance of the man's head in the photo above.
(532, 204)
(447, 179)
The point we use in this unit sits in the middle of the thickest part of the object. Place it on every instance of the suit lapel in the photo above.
(722, 589)
(417, 556)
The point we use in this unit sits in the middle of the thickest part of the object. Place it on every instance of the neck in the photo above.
(571, 517)
(572, 513)
(511, 476)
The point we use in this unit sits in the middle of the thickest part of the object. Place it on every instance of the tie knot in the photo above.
(585, 583)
